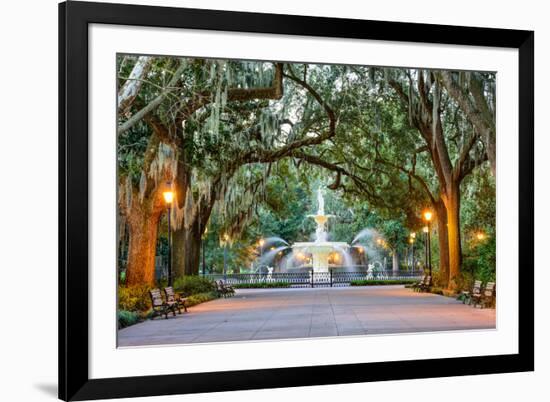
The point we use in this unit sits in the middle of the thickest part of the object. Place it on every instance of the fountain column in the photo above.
(319, 258)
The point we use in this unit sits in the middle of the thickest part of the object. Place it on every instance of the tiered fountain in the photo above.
(321, 250)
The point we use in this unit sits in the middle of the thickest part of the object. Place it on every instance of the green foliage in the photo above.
(374, 282)
(193, 284)
(134, 298)
(286, 205)
(261, 285)
(375, 143)
(480, 261)
(135, 303)
(198, 298)
(478, 215)
(127, 318)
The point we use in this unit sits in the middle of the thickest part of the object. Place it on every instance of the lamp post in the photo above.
(225, 241)
(204, 251)
(425, 230)
(168, 198)
(412, 238)
(428, 218)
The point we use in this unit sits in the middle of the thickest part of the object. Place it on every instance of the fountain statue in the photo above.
(321, 249)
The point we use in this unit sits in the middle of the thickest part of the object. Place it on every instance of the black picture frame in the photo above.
(74, 381)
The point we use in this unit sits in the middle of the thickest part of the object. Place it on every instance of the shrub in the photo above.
(134, 298)
(193, 284)
(261, 285)
(437, 278)
(464, 281)
(198, 298)
(479, 260)
(127, 318)
(373, 282)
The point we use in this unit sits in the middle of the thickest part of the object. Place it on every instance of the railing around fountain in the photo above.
(332, 278)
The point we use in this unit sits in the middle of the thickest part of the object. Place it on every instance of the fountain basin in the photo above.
(320, 252)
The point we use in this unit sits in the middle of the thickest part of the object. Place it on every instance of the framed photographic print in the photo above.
(258, 201)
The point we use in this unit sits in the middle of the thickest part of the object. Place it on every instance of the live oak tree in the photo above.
(475, 93)
(262, 142)
(201, 114)
(454, 147)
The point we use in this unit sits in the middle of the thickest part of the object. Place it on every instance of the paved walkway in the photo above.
(296, 313)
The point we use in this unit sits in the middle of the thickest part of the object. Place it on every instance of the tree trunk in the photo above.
(452, 204)
(178, 252)
(192, 250)
(142, 226)
(182, 186)
(395, 261)
(186, 250)
(443, 241)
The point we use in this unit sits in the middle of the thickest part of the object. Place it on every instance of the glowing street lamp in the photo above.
(168, 199)
(428, 216)
(480, 236)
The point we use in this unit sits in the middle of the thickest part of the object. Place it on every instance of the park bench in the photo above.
(485, 298)
(174, 299)
(466, 295)
(424, 285)
(416, 285)
(159, 306)
(224, 289)
(219, 290)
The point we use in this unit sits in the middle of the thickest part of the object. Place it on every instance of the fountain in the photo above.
(321, 249)
(318, 256)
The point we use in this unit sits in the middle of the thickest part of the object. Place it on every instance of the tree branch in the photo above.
(123, 127)
(476, 111)
(131, 87)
